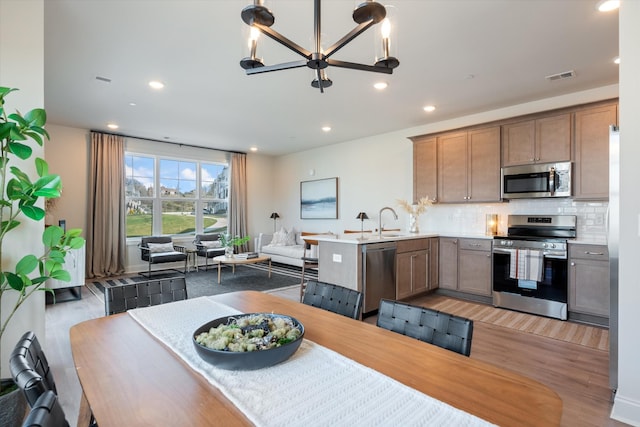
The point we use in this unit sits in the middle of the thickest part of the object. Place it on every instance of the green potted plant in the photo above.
(19, 202)
(228, 242)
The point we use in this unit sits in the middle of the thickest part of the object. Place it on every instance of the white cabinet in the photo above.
(74, 263)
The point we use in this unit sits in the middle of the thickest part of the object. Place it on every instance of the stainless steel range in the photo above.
(530, 264)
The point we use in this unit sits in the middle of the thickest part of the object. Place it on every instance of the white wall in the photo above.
(627, 401)
(22, 66)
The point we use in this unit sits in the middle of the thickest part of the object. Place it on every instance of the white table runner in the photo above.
(315, 387)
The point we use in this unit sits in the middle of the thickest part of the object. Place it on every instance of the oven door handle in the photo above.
(546, 254)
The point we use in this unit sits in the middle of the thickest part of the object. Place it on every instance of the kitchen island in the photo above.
(392, 265)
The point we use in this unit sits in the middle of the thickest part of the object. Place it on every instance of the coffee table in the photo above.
(222, 259)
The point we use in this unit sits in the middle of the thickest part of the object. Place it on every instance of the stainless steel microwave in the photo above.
(535, 181)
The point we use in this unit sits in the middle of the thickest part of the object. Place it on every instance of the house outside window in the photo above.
(191, 196)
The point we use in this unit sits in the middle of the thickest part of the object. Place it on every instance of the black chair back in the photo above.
(30, 369)
(337, 299)
(435, 327)
(118, 299)
(46, 412)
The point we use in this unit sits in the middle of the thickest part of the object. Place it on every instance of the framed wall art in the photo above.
(319, 199)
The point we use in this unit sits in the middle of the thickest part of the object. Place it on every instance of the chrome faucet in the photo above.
(395, 216)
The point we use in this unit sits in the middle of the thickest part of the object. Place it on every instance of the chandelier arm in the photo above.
(269, 32)
(319, 77)
(277, 67)
(347, 38)
(355, 66)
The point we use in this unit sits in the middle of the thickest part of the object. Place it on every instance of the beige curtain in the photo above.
(106, 233)
(238, 198)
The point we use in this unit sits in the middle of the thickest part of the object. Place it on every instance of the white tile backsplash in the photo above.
(470, 218)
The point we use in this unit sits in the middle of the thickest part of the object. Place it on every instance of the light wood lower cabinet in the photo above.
(414, 266)
(589, 279)
(465, 265)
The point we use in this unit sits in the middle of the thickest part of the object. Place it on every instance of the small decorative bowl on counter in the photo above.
(248, 341)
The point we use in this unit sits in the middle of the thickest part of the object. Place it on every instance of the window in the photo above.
(192, 196)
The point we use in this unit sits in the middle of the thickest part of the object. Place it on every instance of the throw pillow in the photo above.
(211, 243)
(160, 247)
(290, 238)
(279, 237)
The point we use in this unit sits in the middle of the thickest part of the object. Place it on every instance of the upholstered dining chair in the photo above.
(31, 373)
(337, 299)
(118, 299)
(160, 249)
(46, 412)
(434, 327)
(208, 246)
(30, 369)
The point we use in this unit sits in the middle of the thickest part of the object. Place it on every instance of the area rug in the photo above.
(585, 335)
(204, 283)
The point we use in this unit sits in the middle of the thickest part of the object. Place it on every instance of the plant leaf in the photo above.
(27, 264)
(20, 150)
(36, 117)
(52, 236)
(33, 212)
(41, 167)
(15, 281)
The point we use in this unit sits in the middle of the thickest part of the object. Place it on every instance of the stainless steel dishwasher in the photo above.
(378, 274)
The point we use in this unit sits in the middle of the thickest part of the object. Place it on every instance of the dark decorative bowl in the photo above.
(251, 360)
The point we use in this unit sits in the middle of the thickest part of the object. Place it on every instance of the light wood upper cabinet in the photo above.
(425, 168)
(469, 166)
(591, 152)
(543, 140)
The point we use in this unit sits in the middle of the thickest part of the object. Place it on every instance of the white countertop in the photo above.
(387, 236)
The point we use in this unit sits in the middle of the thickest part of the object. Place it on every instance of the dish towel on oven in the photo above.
(526, 264)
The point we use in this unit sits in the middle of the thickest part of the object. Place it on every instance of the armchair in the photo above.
(208, 246)
(160, 249)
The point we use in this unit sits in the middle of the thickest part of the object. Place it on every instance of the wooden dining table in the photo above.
(130, 378)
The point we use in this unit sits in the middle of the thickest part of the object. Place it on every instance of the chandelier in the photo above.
(367, 14)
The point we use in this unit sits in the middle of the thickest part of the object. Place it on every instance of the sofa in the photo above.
(283, 246)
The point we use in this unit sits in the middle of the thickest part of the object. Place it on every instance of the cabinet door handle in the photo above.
(573, 264)
(455, 242)
(474, 244)
(593, 253)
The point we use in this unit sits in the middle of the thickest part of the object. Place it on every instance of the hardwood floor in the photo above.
(577, 373)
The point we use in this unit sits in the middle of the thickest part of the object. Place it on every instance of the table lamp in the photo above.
(274, 216)
(362, 216)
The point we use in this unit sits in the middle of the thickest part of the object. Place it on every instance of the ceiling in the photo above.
(463, 56)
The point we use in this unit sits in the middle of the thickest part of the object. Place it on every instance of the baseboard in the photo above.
(626, 410)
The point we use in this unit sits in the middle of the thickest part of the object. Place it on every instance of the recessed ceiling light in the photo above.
(326, 128)
(156, 84)
(381, 85)
(254, 148)
(616, 60)
(608, 5)
(132, 104)
(429, 108)
(112, 126)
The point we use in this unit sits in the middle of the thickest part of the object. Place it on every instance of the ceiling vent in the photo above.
(561, 76)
